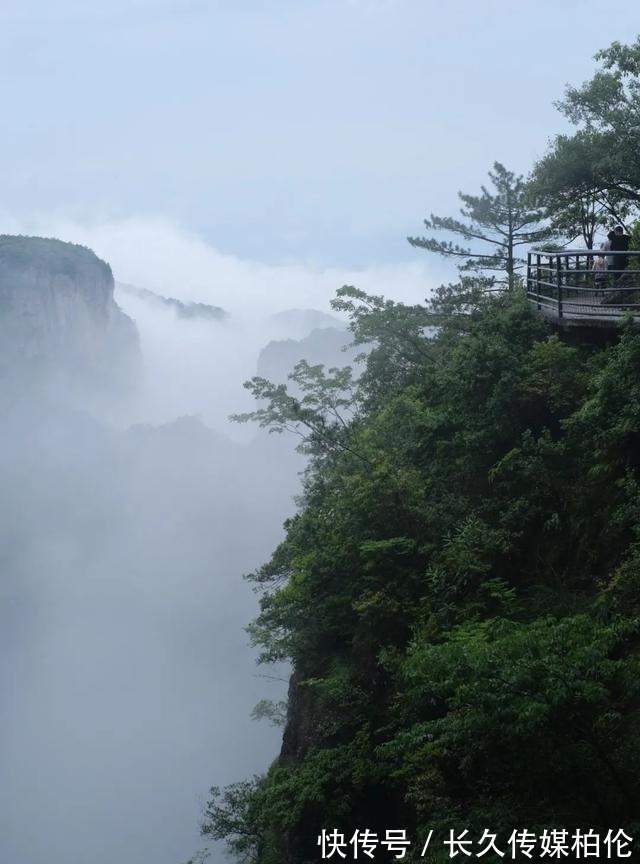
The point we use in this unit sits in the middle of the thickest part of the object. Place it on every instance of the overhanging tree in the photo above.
(594, 174)
(567, 183)
(608, 107)
(496, 224)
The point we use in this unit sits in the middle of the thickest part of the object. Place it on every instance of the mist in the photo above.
(128, 520)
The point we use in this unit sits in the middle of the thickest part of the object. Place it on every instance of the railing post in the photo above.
(538, 278)
(528, 273)
(559, 284)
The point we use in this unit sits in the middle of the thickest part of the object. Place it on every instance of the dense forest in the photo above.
(458, 594)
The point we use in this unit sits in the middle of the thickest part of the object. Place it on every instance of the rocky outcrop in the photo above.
(58, 315)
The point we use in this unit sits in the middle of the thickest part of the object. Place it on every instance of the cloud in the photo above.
(198, 367)
(162, 256)
(127, 669)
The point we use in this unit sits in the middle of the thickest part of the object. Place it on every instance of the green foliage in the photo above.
(274, 712)
(579, 200)
(592, 177)
(317, 417)
(231, 814)
(496, 222)
(500, 708)
(459, 592)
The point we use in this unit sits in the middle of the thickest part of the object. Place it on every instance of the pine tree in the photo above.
(496, 222)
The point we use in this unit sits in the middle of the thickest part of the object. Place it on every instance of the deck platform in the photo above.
(570, 291)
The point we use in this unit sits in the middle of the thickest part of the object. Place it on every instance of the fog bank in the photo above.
(125, 530)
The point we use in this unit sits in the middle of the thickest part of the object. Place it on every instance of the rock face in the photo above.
(58, 316)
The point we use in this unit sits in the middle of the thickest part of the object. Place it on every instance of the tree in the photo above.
(458, 593)
(594, 174)
(228, 815)
(499, 221)
(317, 416)
(576, 200)
(608, 106)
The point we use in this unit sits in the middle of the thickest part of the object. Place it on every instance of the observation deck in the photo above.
(567, 289)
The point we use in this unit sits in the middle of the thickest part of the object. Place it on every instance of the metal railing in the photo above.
(584, 283)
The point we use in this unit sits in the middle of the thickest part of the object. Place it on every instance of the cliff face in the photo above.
(58, 315)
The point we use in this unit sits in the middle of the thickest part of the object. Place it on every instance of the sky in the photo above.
(314, 131)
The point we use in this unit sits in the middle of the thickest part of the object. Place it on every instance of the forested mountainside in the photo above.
(458, 593)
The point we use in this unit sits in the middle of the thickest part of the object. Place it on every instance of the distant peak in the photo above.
(187, 310)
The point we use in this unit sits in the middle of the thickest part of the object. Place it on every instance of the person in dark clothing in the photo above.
(619, 243)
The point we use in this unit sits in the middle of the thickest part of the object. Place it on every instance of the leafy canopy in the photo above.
(457, 594)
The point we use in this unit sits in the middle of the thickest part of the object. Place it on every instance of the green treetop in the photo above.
(593, 176)
(495, 225)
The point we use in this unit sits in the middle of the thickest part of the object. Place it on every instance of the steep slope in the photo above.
(458, 593)
(58, 316)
